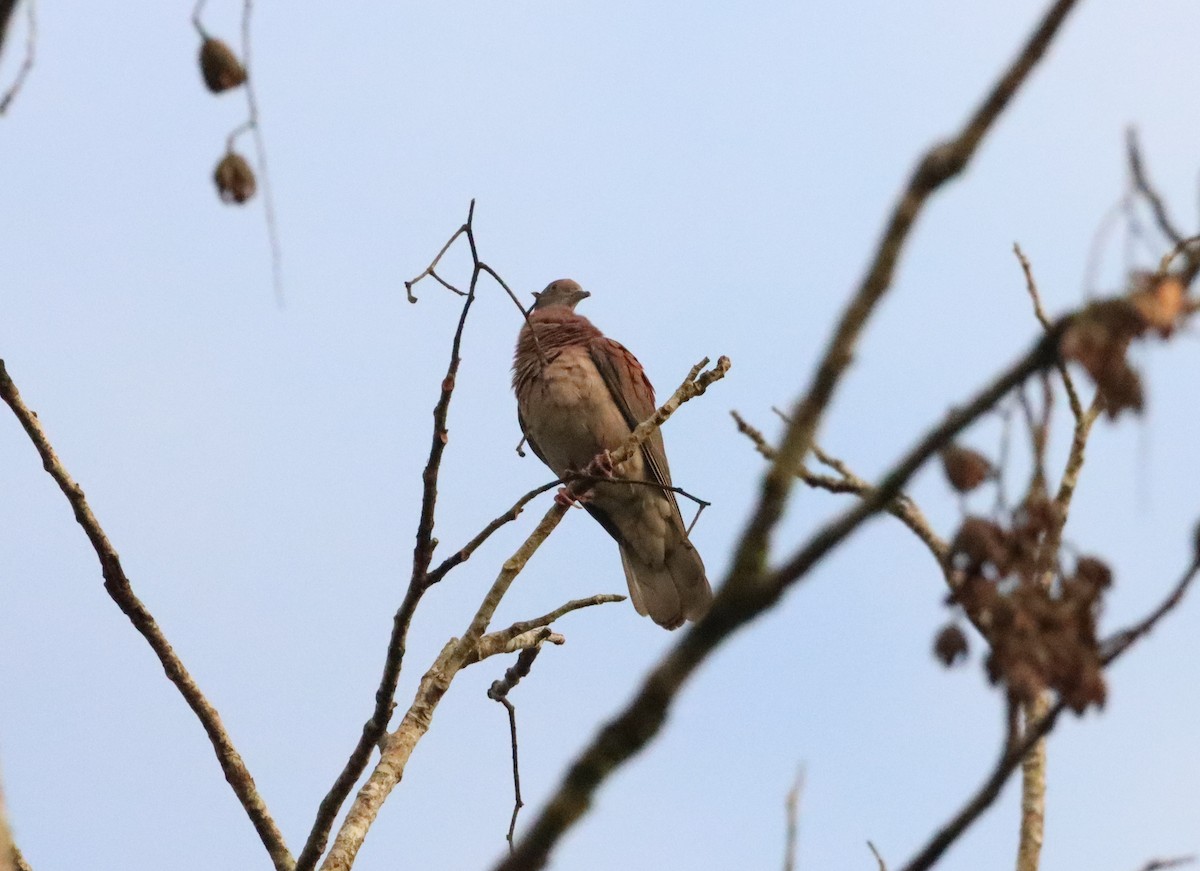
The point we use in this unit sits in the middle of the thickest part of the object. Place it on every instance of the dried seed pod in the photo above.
(950, 645)
(234, 179)
(965, 469)
(219, 66)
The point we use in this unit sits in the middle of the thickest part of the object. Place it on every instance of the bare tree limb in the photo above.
(878, 858)
(119, 589)
(419, 581)
(461, 652)
(6, 9)
(941, 163)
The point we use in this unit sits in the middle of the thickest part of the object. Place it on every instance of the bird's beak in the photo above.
(583, 294)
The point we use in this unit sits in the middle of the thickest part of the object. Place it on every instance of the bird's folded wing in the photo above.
(634, 397)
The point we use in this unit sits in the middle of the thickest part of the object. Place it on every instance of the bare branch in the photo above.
(878, 858)
(119, 589)
(902, 507)
(1160, 864)
(460, 652)
(1142, 185)
(376, 726)
(791, 806)
(6, 8)
(464, 553)
(498, 692)
(546, 619)
(940, 163)
(1040, 313)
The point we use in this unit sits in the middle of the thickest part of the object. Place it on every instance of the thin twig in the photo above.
(1040, 313)
(498, 692)
(30, 49)
(878, 858)
(616, 479)
(523, 626)
(464, 553)
(260, 149)
(903, 508)
(1141, 183)
(1160, 864)
(791, 807)
(116, 583)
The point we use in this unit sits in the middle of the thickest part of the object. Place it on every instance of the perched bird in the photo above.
(579, 394)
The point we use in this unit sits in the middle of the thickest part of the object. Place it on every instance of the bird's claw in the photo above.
(567, 499)
(602, 465)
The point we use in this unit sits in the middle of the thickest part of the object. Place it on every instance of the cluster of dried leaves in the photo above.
(1038, 617)
(1098, 338)
(1042, 635)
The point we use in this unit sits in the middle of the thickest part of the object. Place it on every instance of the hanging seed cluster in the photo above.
(222, 71)
(1039, 618)
(1099, 337)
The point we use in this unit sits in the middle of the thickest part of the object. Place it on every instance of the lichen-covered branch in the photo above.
(120, 590)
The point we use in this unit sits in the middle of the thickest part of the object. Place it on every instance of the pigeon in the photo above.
(579, 395)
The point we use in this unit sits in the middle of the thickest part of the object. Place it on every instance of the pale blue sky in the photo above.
(716, 175)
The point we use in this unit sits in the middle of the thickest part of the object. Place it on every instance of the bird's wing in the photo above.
(634, 397)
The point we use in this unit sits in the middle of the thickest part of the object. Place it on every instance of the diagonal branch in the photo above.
(119, 589)
(940, 164)
(461, 652)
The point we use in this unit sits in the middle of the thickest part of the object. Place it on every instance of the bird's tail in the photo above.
(672, 591)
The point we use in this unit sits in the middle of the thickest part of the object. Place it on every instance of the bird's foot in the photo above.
(602, 465)
(567, 499)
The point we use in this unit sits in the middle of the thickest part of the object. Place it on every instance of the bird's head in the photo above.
(562, 292)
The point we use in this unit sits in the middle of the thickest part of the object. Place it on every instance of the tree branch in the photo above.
(460, 652)
(119, 589)
(419, 581)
